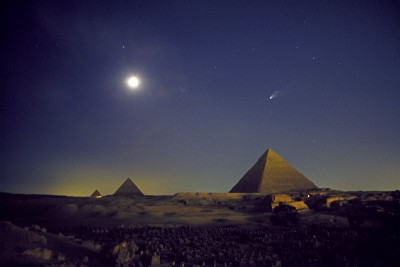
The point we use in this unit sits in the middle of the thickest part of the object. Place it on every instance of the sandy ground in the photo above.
(183, 208)
(179, 209)
(22, 244)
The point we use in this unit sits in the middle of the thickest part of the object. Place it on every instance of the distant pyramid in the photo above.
(128, 188)
(96, 194)
(272, 174)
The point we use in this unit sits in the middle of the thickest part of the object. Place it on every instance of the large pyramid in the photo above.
(272, 174)
(128, 188)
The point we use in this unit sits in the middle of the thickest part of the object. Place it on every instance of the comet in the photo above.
(274, 95)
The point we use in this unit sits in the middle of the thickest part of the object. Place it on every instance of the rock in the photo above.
(61, 257)
(124, 253)
(39, 253)
(93, 246)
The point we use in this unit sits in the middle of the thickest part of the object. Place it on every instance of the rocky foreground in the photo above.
(202, 229)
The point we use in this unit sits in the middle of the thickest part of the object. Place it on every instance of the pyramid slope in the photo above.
(272, 174)
(250, 182)
(128, 188)
(96, 194)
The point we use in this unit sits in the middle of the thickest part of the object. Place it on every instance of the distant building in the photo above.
(96, 194)
(128, 188)
(272, 174)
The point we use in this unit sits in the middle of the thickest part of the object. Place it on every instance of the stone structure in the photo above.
(272, 174)
(128, 188)
(96, 194)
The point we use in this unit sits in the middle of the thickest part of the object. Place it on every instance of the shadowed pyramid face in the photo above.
(272, 174)
(128, 188)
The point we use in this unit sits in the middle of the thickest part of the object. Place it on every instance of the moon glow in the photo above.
(133, 82)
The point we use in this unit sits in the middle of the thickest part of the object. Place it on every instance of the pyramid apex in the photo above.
(266, 154)
(270, 149)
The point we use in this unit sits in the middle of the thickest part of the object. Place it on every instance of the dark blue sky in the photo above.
(202, 115)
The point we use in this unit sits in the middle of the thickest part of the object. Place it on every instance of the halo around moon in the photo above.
(133, 82)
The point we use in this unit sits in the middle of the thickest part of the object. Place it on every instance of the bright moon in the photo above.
(133, 82)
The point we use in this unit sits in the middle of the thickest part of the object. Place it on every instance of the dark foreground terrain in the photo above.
(202, 229)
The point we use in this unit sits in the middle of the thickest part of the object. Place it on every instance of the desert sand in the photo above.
(46, 230)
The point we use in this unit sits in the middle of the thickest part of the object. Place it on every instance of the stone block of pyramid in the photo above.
(128, 188)
(272, 174)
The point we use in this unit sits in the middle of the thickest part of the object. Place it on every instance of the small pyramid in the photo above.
(272, 174)
(96, 194)
(128, 188)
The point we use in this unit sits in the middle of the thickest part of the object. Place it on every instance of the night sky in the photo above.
(220, 82)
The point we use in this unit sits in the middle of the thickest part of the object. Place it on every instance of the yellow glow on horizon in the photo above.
(81, 181)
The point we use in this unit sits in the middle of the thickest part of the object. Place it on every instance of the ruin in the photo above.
(272, 174)
(96, 194)
(128, 188)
